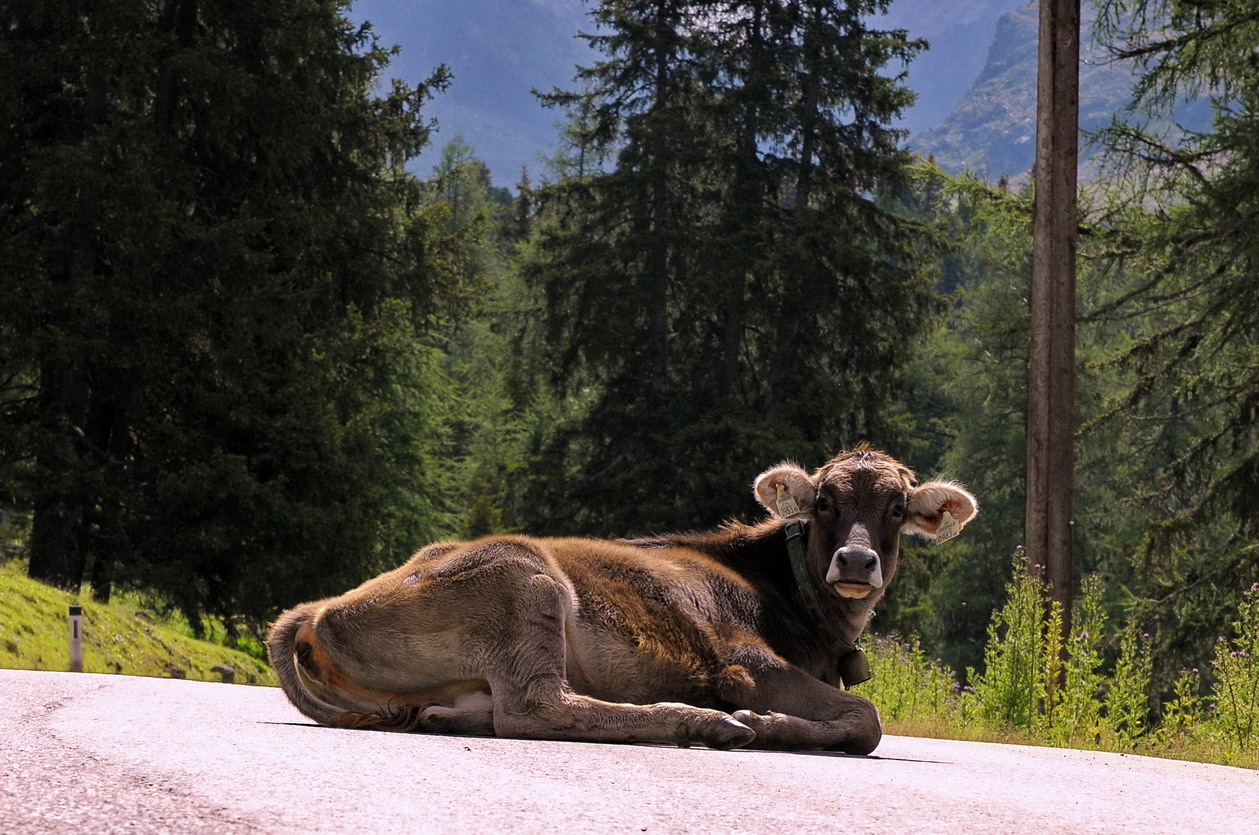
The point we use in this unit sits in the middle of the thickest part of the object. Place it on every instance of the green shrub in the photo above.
(1236, 666)
(1032, 691)
(1182, 714)
(1071, 714)
(1127, 694)
(908, 687)
(1006, 693)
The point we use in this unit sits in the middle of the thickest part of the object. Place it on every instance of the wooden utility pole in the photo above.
(1051, 381)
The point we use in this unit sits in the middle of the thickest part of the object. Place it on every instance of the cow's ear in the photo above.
(928, 504)
(796, 482)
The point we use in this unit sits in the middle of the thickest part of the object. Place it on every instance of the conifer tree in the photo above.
(218, 382)
(729, 290)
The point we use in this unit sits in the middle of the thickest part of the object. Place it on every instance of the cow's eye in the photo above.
(822, 504)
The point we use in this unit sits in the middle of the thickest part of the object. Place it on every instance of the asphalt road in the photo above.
(101, 754)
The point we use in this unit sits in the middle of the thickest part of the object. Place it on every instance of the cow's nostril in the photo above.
(857, 557)
(855, 565)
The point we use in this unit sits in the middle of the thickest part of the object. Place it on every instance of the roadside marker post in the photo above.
(76, 639)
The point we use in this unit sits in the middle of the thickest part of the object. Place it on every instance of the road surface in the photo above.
(103, 754)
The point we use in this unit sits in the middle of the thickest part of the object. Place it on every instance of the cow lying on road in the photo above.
(712, 638)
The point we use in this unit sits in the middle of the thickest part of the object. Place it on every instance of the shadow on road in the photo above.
(831, 754)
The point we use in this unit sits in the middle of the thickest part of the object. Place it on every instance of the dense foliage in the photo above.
(219, 279)
(1026, 693)
(1181, 263)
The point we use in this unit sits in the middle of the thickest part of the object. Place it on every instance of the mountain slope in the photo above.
(958, 34)
(992, 131)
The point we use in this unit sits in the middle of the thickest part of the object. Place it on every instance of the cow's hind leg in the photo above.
(532, 697)
(470, 714)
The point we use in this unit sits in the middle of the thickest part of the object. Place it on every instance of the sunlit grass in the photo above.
(123, 636)
(1025, 695)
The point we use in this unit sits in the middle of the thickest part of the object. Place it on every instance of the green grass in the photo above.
(1026, 695)
(120, 637)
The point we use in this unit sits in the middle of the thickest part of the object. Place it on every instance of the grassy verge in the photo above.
(120, 637)
(1026, 694)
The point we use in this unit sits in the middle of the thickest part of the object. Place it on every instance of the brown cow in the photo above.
(708, 638)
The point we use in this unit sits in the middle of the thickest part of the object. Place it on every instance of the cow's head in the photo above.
(856, 507)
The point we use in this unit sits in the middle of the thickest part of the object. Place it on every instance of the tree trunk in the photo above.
(58, 518)
(796, 308)
(744, 224)
(1051, 375)
(64, 385)
(661, 213)
(102, 578)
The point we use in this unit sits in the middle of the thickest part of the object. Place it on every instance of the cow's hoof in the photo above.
(438, 720)
(769, 728)
(728, 733)
(756, 721)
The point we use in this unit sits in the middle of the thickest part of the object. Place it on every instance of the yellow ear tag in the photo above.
(948, 529)
(786, 503)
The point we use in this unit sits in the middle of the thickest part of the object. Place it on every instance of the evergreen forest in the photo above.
(249, 357)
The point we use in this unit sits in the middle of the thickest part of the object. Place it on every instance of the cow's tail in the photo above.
(282, 649)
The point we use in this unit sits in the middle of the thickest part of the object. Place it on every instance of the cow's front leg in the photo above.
(857, 733)
(791, 710)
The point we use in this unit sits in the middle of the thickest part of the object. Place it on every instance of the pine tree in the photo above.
(729, 291)
(226, 280)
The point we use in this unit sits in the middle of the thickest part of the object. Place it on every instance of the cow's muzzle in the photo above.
(855, 571)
